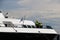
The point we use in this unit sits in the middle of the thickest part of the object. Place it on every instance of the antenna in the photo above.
(22, 19)
(6, 15)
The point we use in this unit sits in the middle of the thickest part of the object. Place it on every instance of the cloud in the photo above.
(44, 8)
(47, 9)
(40, 4)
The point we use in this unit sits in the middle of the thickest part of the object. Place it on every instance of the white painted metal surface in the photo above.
(27, 30)
(6, 29)
(27, 22)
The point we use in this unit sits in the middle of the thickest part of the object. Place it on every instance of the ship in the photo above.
(19, 29)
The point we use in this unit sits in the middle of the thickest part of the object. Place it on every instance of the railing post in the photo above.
(58, 37)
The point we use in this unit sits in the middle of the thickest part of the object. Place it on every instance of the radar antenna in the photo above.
(6, 15)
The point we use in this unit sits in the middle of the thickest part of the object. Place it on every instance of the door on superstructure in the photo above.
(8, 24)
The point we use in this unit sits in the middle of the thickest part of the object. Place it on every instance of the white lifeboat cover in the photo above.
(27, 22)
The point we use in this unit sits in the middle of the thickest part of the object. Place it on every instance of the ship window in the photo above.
(24, 26)
(29, 26)
(5, 25)
(33, 26)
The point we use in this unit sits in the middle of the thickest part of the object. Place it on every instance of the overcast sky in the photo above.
(46, 11)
